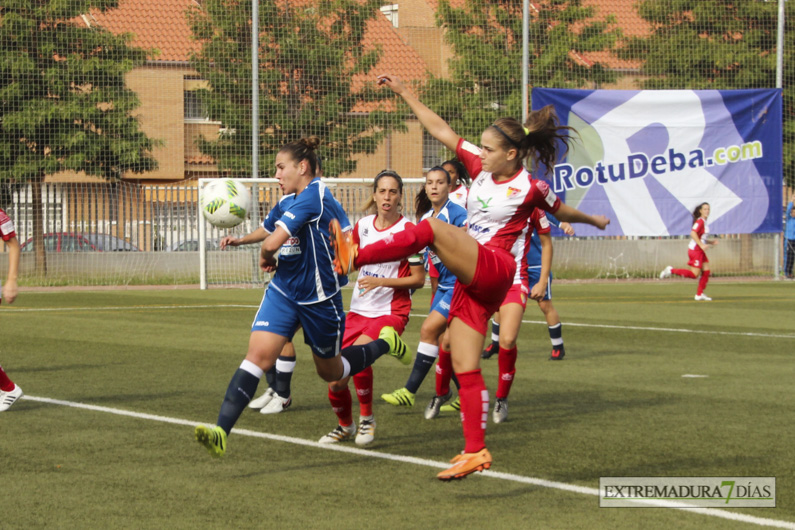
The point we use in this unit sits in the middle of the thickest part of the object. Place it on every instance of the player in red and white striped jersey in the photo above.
(381, 298)
(501, 199)
(9, 392)
(696, 253)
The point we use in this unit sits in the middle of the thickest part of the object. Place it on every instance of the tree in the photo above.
(312, 57)
(63, 103)
(485, 74)
(712, 44)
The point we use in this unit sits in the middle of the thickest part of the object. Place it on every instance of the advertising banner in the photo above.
(647, 158)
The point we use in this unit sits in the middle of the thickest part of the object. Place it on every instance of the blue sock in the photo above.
(284, 374)
(240, 391)
(363, 355)
(426, 356)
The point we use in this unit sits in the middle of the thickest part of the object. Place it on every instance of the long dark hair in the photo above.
(697, 211)
(460, 170)
(539, 139)
(385, 173)
(304, 149)
(422, 203)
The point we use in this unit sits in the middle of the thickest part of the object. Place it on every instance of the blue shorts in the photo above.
(441, 301)
(533, 275)
(323, 322)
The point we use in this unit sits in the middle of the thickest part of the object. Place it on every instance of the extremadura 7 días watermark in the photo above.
(687, 492)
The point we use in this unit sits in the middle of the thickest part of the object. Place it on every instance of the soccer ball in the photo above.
(225, 203)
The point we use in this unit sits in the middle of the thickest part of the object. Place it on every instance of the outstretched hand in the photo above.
(394, 83)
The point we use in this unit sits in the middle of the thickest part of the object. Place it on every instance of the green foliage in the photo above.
(485, 75)
(63, 102)
(712, 44)
(310, 57)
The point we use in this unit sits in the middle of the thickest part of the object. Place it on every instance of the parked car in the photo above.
(77, 242)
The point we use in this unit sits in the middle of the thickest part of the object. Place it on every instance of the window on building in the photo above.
(433, 151)
(194, 110)
(390, 11)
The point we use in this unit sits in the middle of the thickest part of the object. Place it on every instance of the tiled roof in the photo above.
(155, 24)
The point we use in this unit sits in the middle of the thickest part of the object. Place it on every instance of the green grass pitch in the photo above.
(140, 367)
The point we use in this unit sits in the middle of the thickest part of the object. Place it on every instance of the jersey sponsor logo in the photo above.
(290, 215)
(484, 204)
(263, 323)
(549, 195)
(512, 192)
(291, 247)
(365, 232)
(7, 227)
(479, 229)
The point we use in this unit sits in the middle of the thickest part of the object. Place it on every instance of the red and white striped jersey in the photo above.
(701, 229)
(459, 195)
(381, 300)
(7, 230)
(498, 212)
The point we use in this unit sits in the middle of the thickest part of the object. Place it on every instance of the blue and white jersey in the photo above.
(305, 273)
(455, 215)
(534, 252)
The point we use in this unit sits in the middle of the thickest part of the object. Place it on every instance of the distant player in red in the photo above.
(381, 298)
(501, 199)
(696, 253)
(9, 392)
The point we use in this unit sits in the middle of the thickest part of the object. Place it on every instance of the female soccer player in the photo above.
(304, 291)
(534, 276)
(501, 199)
(9, 392)
(696, 253)
(432, 201)
(381, 298)
(459, 189)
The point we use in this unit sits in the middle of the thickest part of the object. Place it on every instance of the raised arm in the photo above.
(433, 123)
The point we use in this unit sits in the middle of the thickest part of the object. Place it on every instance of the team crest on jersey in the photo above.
(365, 232)
(512, 192)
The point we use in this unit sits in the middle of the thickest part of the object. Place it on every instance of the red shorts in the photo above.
(696, 257)
(475, 303)
(356, 325)
(517, 294)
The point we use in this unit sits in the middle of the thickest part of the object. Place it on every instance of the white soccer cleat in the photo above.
(366, 432)
(339, 434)
(500, 413)
(9, 398)
(263, 400)
(703, 297)
(276, 405)
(666, 272)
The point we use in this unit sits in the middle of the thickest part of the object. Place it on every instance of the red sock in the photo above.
(687, 273)
(363, 381)
(474, 409)
(702, 282)
(397, 246)
(341, 404)
(7, 385)
(444, 371)
(507, 362)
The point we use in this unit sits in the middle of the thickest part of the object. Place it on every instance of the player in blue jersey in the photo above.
(433, 201)
(304, 291)
(551, 315)
(278, 396)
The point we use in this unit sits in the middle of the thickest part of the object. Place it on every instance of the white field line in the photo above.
(712, 512)
(416, 315)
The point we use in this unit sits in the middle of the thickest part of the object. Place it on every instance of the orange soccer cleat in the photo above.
(466, 463)
(344, 248)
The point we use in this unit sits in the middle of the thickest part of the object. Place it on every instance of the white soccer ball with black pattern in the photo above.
(225, 203)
